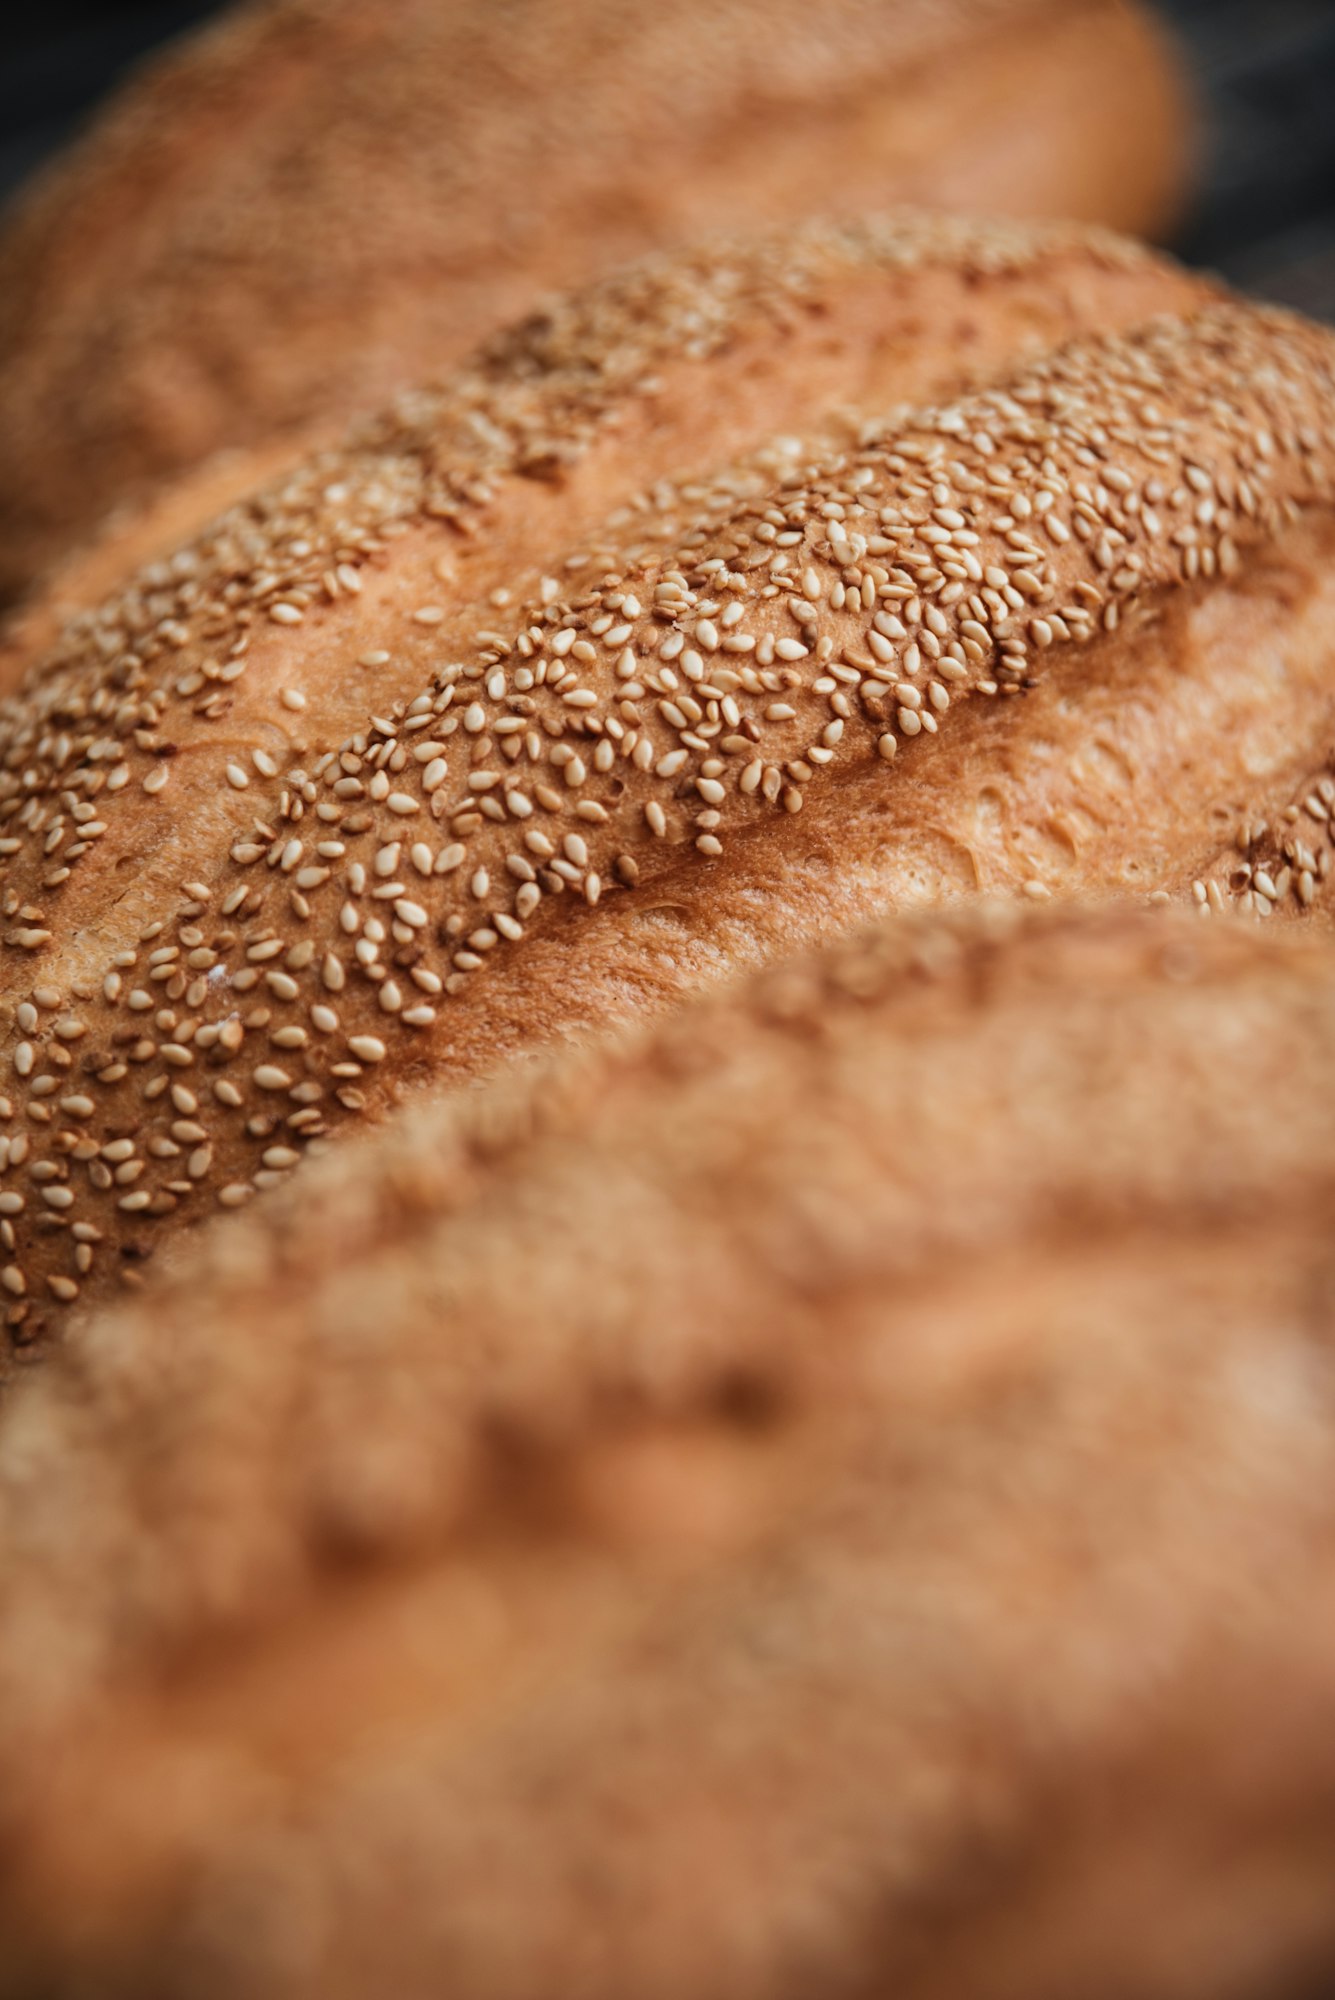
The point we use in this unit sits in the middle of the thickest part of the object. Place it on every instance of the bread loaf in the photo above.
(558, 694)
(315, 202)
(833, 1496)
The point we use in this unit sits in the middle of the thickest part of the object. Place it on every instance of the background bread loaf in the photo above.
(832, 1496)
(559, 693)
(316, 202)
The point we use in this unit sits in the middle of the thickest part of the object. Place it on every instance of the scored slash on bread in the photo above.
(292, 214)
(871, 1431)
(567, 687)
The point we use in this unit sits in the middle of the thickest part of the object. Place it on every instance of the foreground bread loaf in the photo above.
(567, 688)
(316, 201)
(831, 1498)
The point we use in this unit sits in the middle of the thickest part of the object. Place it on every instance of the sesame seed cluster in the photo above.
(712, 659)
(1287, 860)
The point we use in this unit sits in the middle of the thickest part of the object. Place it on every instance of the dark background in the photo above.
(1265, 70)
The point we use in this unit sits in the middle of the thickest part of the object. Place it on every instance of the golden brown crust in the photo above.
(785, 1506)
(439, 701)
(315, 202)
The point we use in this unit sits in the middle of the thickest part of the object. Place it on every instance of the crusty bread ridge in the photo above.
(831, 1496)
(499, 726)
(315, 202)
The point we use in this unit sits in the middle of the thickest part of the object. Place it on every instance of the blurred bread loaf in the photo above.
(831, 1497)
(303, 208)
(631, 658)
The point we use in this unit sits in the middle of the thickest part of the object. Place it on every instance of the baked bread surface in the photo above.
(829, 1496)
(315, 202)
(508, 722)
